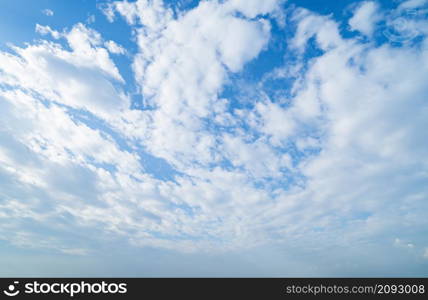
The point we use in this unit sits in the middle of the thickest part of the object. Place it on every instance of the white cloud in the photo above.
(365, 18)
(114, 48)
(79, 78)
(181, 123)
(411, 4)
(373, 110)
(108, 11)
(402, 244)
(86, 44)
(91, 19)
(45, 30)
(258, 158)
(48, 12)
(136, 203)
(75, 251)
(340, 163)
(275, 122)
(253, 8)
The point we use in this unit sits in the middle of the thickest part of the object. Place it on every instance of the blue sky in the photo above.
(213, 138)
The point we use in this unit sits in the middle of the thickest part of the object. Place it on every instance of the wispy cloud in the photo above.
(48, 12)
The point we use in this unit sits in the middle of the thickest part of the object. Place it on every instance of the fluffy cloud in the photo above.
(79, 78)
(45, 30)
(114, 48)
(182, 66)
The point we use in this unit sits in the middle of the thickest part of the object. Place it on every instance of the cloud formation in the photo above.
(334, 162)
(48, 12)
